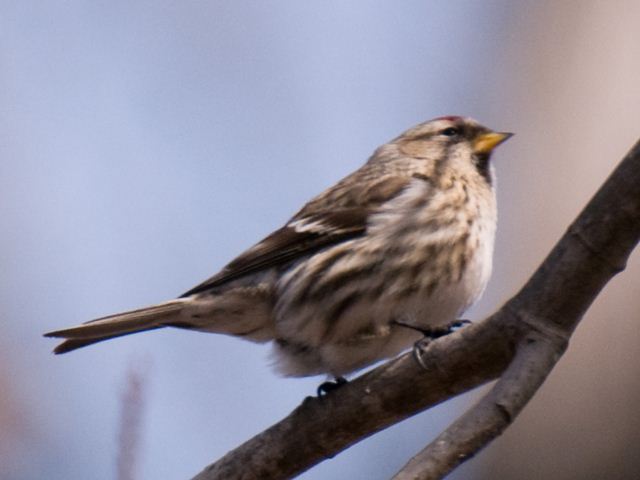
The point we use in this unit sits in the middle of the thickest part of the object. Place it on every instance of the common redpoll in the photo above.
(401, 246)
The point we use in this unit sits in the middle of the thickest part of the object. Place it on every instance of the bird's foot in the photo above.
(430, 334)
(437, 332)
(326, 387)
(434, 332)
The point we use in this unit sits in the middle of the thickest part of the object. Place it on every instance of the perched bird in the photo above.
(399, 248)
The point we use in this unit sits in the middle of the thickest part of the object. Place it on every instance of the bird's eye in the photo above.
(450, 132)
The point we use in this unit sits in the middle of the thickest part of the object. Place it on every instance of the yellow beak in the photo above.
(486, 142)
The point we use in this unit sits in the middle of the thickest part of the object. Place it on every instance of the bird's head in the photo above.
(459, 143)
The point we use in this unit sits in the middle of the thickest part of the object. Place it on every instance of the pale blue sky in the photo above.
(143, 145)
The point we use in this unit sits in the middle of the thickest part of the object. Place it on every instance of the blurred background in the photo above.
(145, 144)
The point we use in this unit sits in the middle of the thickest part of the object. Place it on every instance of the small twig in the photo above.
(130, 423)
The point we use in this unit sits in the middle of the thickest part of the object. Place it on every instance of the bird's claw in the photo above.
(458, 324)
(418, 350)
(329, 386)
(431, 334)
(437, 332)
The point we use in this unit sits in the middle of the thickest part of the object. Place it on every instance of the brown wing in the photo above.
(309, 231)
(299, 237)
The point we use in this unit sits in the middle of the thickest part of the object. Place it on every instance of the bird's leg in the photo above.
(430, 334)
(329, 386)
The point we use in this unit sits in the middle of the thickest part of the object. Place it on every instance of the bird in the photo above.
(398, 249)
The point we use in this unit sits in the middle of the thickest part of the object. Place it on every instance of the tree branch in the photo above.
(536, 355)
(526, 337)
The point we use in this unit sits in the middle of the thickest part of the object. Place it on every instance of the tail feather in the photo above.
(75, 343)
(117, 325)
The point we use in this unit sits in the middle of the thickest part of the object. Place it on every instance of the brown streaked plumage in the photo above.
(406, 239)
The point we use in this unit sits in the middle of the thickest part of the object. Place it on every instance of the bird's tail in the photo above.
(112, 326)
